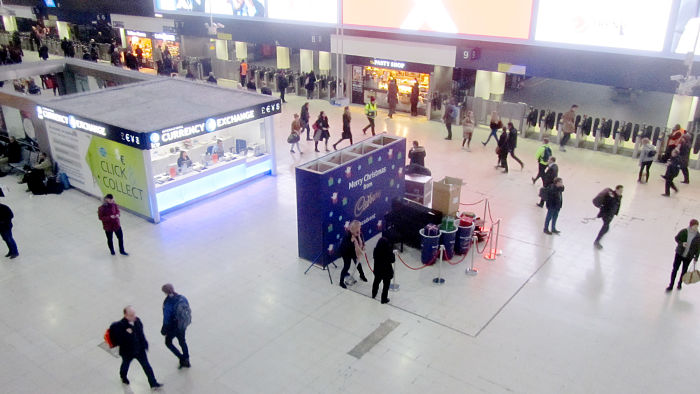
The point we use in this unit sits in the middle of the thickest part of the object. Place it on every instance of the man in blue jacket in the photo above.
(176, 318)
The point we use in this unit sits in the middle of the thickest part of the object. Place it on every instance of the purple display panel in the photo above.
(356, 183)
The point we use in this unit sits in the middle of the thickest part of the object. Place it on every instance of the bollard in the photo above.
(440, 280)
(471, 271)
(394, 286)
(491, 253)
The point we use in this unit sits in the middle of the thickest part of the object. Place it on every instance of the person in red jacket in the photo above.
(108, 213)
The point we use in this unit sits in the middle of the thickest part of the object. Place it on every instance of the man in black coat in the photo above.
(609, 208)
(282, 85)
(554, 199)
(513, 143)
(128, 334)
(383, 271)
(6, 216)
(687, 248)
(550, 173)
(684, 154)
(173, 326)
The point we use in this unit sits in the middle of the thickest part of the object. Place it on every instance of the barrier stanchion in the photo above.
(394, 286)
(439, 279)
(471, 271)
(493, 251)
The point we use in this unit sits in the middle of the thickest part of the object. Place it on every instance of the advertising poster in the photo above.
(99, 166)
(624, 24)
(361, 189)
(242, 8)
(494, 18)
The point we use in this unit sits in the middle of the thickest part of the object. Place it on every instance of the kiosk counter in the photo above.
(161, 144)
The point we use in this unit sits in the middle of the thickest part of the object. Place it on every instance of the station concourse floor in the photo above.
(551, 315)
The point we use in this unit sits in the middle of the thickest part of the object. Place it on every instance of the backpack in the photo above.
(600, 198)
(547, 153)
(183, 313)
(109, 339)
(651, 154)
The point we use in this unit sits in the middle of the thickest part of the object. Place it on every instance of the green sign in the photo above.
(119, 170)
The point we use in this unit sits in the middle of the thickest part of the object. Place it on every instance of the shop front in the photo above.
(141, 40)
(371, 76)
(189, 142)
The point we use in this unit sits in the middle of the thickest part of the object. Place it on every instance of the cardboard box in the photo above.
(446, 195)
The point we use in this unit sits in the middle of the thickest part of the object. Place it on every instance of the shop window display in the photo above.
(375, 83)
(209, 152)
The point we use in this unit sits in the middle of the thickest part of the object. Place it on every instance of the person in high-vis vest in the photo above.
(243, 71)
(371, 113)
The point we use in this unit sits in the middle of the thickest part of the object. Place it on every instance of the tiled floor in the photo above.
(552, 315)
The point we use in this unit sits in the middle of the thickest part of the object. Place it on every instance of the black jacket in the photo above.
(346, 124)
(6, 216)
(550, 173)
(14, 152)
(694, 251)
(383, 256)
(131, 343)
(347, 247)
(610, 206)
(415, 92)
(503, 144)
(417, 156)
(684, 154)
(673, 167)
(304, 114)
(553, 196)
(512, 139)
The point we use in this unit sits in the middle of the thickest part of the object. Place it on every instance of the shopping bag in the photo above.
(691, 277)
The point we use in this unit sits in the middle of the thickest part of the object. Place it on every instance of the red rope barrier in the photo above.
(462, 259)
(368, 266)
(486, 244)
(474, 203)
(488, 207)
(408, 266)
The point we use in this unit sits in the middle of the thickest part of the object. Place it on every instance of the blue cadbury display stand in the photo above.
(429, 245)
(355, 183)
(464, 239)
(448, 234)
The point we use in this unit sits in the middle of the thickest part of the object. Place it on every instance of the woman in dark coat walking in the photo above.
(347, 135)
(383, 271)
(321, 131)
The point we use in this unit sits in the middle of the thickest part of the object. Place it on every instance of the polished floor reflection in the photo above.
(551, 315)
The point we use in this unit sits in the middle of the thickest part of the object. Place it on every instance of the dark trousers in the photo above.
(414, 108)
(686, 175)
(242, 80)
(644, 165)
(371, 124)
(565, 139)
(346, 267)
(449, 130)
(11, 244)
(392, 109)
(512, 154)
(385, 287)
(604, 229)
(282, 92)
(677, 260)
(305, 126)
(552, 215)
(180, 335)
(120, 238)
(670, 185)
(143, 360)
(309, 93)
(503, 160)
(540, 170)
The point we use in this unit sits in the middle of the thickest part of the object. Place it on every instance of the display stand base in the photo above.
(323, 267)
(471, 271)
(439, 281)
(491, 254)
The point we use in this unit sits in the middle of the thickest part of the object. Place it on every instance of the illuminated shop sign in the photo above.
(135, 33)
(71, 121)
(126, 137)
(164, 37)
(387, 64)
(182, 132)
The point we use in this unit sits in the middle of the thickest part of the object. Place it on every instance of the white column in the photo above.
(283, 58)
(482, 86)
(222, 49)
(324, 62)
(241, 50)
(498, 85)
(306, 60)
(681, 110)
(122, 36)
(63, 30)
